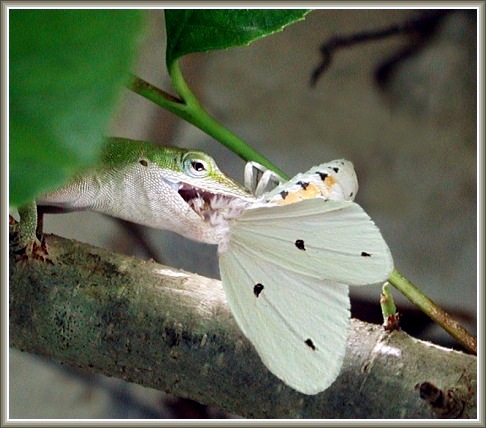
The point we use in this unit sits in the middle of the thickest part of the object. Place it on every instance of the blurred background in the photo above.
(402, 108)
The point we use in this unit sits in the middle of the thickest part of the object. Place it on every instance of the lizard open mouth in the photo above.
(199, 200)
(208, 204)
(194, 196)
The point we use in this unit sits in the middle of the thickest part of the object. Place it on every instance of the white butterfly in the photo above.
(286, 267)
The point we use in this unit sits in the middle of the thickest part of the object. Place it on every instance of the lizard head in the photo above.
(202, 175)
(205, 188)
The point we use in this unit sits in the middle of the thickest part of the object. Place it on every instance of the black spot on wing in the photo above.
(365, 254)
(300, 244)
(310, 344)
(284, 194)
(335, 169)
(303, 184)
(143, 162)
(323, 175)
(257, 289)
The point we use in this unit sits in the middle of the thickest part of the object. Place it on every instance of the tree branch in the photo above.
(171, 330)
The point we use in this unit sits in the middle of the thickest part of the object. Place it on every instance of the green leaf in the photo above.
(67, 68)
(198, 30)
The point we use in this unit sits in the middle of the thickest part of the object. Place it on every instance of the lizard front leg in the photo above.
(259, 180)
(27, 236)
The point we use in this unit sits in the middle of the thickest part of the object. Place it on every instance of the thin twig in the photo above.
(436, 313)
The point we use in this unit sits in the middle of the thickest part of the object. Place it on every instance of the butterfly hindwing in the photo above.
(297, 323)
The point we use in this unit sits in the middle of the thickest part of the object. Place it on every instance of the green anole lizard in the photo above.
(162, 187)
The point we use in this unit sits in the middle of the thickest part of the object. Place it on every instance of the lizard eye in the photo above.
(198, 166)
(195, 166)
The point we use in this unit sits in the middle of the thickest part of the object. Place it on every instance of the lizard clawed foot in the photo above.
(24, 236)
(34, 250)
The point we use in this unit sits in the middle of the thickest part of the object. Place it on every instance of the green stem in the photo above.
(180, 85)
(391, 318)
(158, 96)
(433, 311)
(388, 308)
(190, 110)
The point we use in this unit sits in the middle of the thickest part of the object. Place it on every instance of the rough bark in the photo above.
(171, 330)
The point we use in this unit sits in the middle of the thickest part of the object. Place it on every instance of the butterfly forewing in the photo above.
(333, 240)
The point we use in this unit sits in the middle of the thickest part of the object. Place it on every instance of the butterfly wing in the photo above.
(285, 271)
(297, 323)
(331, 240)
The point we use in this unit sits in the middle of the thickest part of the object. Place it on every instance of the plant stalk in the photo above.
(436, 313)
(190, 110)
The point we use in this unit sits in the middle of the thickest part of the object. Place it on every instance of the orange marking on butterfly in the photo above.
(310, 192)
(329, 181)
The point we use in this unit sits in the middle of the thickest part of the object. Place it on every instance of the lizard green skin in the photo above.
(162, 187)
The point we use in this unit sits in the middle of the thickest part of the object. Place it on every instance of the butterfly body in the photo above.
(333, 180)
